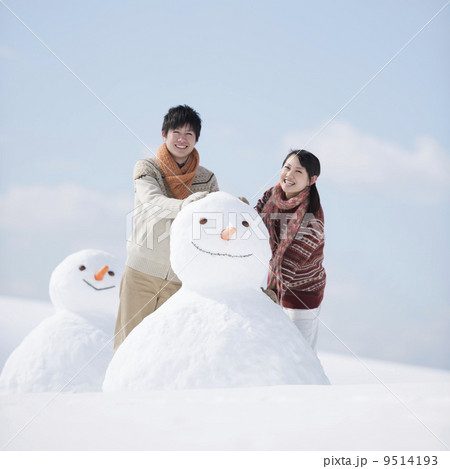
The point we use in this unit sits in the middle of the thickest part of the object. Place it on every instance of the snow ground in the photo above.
(391, 407)
(408, 416)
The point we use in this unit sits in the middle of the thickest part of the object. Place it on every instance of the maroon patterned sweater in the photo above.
(303, 275)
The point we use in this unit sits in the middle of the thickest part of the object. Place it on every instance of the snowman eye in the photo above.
(82, 267)
(203, 221)
(245, 223)
(110, 272)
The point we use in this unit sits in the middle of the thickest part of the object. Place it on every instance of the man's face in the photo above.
(180, 142)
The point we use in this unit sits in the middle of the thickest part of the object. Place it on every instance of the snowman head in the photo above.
(87, 283)
(219, 243)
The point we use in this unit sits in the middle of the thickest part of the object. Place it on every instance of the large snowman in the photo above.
(70, 350)
(219, 329)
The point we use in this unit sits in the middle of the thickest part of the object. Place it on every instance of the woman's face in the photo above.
(294, 177)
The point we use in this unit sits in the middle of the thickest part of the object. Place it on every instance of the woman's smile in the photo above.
(293, 177)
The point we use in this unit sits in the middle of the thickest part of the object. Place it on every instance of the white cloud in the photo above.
(61, 208)
(40, 225)
(355, 161)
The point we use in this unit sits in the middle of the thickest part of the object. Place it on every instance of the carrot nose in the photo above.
(101, 273)
(227, 233)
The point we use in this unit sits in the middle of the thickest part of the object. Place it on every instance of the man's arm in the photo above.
(149, 193)
(214, 185)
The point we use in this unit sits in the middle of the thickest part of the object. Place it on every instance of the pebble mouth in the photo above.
(219, 253)
(98, 289)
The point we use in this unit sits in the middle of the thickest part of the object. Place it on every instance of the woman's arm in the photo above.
(263, 200)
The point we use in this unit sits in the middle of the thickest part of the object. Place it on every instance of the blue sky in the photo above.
(265, 76)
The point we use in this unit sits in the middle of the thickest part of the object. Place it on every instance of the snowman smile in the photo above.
(219, 253)
(98, 289)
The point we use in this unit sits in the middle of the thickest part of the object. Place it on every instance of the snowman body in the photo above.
(70, 350)
(219, 329)
(63, 353)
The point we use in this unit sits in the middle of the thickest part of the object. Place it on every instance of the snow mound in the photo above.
(219, 329)
(63, 353)
(18, 317)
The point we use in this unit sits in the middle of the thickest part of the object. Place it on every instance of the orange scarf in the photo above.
(178, 179)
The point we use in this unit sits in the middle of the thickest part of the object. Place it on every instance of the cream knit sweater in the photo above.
(155, 208)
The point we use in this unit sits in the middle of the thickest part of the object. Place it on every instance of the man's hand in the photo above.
(193, 198)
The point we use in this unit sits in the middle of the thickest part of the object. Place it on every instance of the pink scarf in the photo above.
(273, 206)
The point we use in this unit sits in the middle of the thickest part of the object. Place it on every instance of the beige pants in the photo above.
(140, 295)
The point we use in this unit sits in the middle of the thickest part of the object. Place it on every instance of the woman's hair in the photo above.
(181, 115)
(312, 165)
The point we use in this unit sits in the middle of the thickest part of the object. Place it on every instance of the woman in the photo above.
(293, 215)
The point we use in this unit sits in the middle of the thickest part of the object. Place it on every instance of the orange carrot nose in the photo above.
(101, 273)
(227, 233)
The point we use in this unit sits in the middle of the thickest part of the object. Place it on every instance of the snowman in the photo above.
(219, 329)
(70, 350)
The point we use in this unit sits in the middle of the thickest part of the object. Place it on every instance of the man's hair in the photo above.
(181, 115)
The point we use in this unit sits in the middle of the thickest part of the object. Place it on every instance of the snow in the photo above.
(53, 356)
(79, 285)
(205, 261)
(220, 344)
(398, 416)
(371, 406)
(219, 329)
(18, 317)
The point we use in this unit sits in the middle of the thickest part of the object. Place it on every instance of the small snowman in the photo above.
(70, 350)
(219, 329)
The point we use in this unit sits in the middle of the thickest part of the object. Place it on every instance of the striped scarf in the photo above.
(178, 179)
(273, 206)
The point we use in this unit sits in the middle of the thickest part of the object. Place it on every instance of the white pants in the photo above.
(307, 322)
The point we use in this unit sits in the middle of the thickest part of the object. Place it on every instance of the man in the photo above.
(163, 186)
